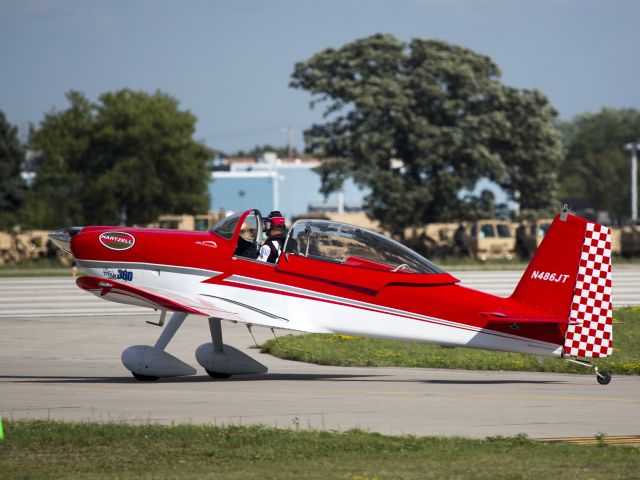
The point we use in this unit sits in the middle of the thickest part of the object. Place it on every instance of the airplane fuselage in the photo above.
(314, 296)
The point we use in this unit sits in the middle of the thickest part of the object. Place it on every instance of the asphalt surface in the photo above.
(60, 359)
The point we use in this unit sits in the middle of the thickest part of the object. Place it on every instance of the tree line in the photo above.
(126, 158)
(414, 123)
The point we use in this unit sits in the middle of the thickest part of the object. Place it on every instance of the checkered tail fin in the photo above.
(570, 277)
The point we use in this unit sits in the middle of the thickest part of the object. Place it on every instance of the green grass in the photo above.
(44, 449)
(42, 267)
(365, 352)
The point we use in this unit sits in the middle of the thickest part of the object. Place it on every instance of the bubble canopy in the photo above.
(351, 245)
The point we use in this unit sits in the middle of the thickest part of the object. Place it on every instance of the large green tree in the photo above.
(12, 186)
(130, 154)
(416, 123)
(597, 168)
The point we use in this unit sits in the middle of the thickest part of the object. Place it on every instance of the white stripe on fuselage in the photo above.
(154, 267)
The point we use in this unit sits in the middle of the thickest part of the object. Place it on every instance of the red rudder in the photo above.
(570, 277)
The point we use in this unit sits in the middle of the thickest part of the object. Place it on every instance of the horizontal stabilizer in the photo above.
(501, 318)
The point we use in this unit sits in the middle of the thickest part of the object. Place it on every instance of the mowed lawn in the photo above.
(364, 352)
(46, 450)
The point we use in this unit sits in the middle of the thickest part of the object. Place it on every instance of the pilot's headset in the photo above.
(274, 220)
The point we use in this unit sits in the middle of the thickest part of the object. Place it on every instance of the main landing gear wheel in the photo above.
(218, 375)
(144, 378)
(604, 378)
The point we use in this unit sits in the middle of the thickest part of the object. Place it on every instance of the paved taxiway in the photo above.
(60, 359)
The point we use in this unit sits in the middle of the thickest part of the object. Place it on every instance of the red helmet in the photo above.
(274, 220)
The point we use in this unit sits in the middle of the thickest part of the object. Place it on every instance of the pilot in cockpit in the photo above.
(275, 227)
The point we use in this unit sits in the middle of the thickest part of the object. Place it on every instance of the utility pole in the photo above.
(275, 175)
(289, 131)
(634, 147)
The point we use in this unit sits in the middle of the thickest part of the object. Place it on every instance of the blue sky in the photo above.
(229, 62)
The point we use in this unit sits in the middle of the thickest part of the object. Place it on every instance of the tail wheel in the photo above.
(604, 378)
(144, 378)
(218, 375)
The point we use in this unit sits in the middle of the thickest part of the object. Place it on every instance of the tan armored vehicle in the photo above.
(616, 240)
(7, 253)
(22, 246)
(434, 239)
(630, 240)
(359, 219)
(529, 235)
(492, 240)
(31, 245)
(206, 221)
(189, 222)
(177, 222)
(40, 246)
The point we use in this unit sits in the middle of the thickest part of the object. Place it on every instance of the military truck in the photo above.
(482, 239)
(200, 222)
(176, 222)
(492, 240)
(204, 222)
(28, 245)
(22, 247)
(616, 240)
(529, 235)
(630, 240)
(359, 219)
(41, 245)
(7, 252)
(433, 240)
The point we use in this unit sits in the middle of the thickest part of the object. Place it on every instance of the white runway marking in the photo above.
(55, 297)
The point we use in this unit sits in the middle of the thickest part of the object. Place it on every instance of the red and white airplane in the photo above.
(338, 278)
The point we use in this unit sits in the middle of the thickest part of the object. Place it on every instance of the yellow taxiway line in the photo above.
(628, 440)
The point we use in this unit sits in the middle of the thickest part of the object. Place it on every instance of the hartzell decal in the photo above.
(117, 240)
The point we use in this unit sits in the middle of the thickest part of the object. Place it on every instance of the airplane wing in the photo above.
(122, 292)
(207, 306)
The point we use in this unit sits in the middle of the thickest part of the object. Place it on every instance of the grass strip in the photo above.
(40, 272)
(45, 449)
(41, 267)
(344, 350)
